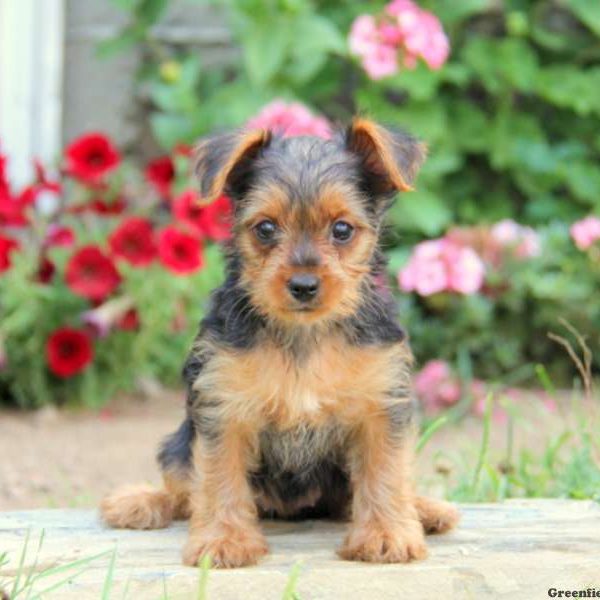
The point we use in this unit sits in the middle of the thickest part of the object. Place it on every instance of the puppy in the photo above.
(299, 397)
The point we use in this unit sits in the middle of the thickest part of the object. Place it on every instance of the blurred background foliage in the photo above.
(512, 121)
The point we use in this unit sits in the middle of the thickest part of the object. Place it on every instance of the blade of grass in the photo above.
(60, 569)
(203, 571)
(15, 586)
(485, 443)
(34, 565)
(289, 593)
(43, 594)
(545, 380)
(108, 580)
(430, 430)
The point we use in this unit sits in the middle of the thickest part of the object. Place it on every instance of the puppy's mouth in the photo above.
(305, 307)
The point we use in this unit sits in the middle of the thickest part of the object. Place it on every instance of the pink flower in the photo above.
(442, 265)
(466, 271)
(382, 62)
(364, 36)
(403, 34)
(436, 386)
(424, 37)
(586, 232)
(524, 240)
(290, 119)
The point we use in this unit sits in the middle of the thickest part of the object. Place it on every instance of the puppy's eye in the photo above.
(342, 231)
(265, 230)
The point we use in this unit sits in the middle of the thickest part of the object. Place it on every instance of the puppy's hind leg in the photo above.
(436, 516)
(146, 507)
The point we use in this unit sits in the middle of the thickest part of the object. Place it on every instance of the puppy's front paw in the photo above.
(375, 543)
(238, 548)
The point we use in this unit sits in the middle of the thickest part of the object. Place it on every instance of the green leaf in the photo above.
(125, 40)
(421, 83)
(588, 12)
(170, 129)
(452, 12)
(570, 88)
(470, 126)
(500, 62)
(150, 11)
(421, 211)
(128, 5)
(315, 37)
(265, 49)
(583, 179)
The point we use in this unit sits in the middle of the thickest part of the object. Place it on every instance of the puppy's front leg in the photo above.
(385, 525)
(224, 520)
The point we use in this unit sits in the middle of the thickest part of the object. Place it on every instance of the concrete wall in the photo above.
(101, 93)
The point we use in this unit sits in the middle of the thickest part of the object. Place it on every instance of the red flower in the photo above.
(91, 274)
(46, 270)
(91, 157)
(12, 208)
(160, 172)
(133, 241)
(12, 212)
(100, 207)
(42, 179)
(4, 185)
(186, 209)
(184, 150)
(68, 352)
(130, 321)
(212, 221)
(59, 235)
(7, 246)
(216, 219)
(179, 252)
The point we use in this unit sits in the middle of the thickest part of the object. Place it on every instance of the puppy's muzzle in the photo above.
(304, 287)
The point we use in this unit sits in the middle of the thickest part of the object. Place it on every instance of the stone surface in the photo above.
(518, 549)
(101, 93)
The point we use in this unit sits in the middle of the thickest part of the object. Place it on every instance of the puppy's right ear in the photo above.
(224, 162)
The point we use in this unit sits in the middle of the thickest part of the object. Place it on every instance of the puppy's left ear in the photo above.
(390, 159)
(224, 163)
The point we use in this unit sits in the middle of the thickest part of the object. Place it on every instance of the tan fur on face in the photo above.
(341, 269)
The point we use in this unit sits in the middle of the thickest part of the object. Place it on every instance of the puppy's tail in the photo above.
(145, 507)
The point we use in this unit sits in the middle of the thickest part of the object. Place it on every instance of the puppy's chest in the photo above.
(334, 380)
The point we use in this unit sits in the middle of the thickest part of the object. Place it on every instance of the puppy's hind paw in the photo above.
(137, 507)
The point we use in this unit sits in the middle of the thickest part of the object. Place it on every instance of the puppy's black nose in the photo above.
(304, 287)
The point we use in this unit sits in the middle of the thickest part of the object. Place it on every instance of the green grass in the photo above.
(561, 464)
(30, 584)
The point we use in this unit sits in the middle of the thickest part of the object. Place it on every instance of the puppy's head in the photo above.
(308, 212)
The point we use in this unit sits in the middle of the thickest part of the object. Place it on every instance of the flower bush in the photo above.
(485, 297)
(499, 240)
(102, 276)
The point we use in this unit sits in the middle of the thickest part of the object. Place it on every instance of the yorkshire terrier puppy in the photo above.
(299, 397)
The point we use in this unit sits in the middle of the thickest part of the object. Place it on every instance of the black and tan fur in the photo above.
(297, 409)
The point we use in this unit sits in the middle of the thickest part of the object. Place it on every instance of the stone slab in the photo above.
(517, 549)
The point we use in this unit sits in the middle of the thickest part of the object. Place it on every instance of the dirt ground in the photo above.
(53, 458)
(64, 458)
